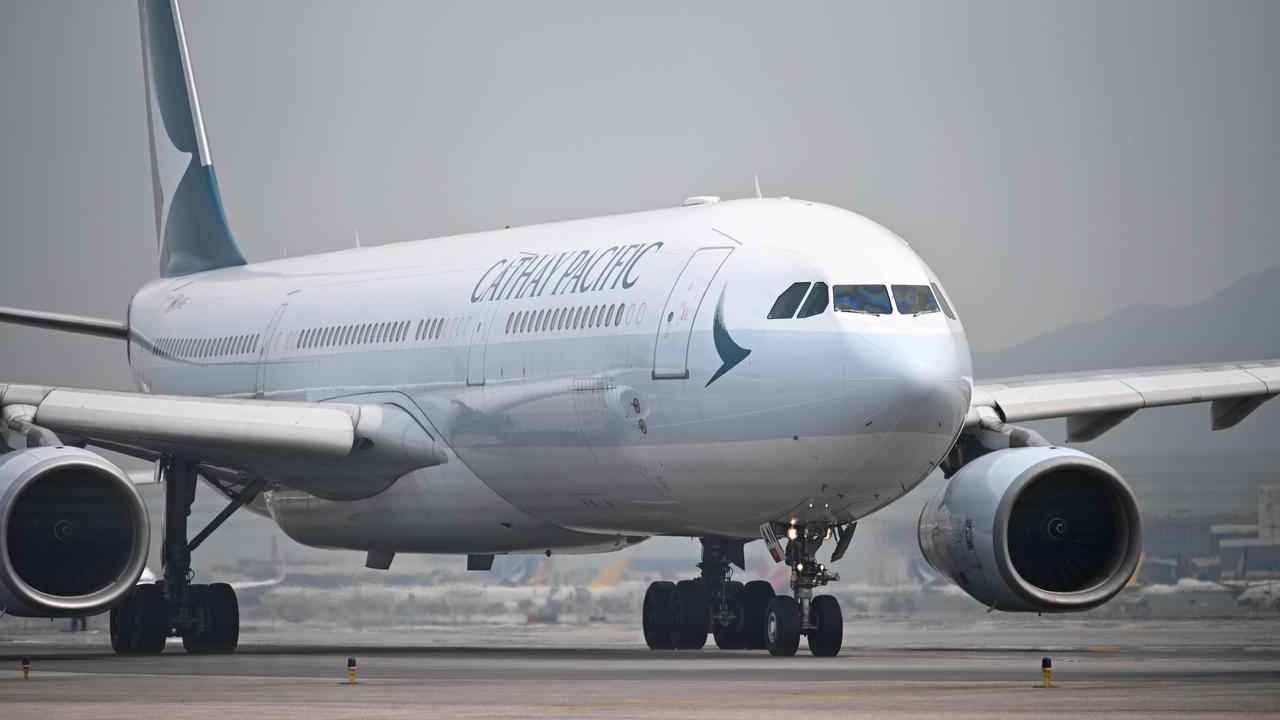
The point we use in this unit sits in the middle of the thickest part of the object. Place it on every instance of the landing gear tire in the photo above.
(755, 607)
(827, 632)
(782, 626)
(121, 627)
(656, 615)
(732, 636)
(690, 615)
(218, 627)
(140, 624)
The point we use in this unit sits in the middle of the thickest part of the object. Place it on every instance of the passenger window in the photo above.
(914, 299)
(819, 297)
(946, 307)
(617, 319)
(785, 306)
(869, 299)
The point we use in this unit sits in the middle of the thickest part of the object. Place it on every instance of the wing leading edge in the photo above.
(1093, 403)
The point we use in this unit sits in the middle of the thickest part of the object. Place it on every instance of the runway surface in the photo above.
(982, 669)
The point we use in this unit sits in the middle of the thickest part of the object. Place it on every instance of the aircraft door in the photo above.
(675, 328)
(270, 340)
(478, 332)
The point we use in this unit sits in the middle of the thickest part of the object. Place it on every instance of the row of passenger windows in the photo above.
(812, 299)
(206, 347)
(574, 318)
(371, 333)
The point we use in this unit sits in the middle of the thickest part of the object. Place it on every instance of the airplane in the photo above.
(763, 368)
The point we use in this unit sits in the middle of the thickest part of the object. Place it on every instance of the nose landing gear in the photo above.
(817, 618)
(680, 615)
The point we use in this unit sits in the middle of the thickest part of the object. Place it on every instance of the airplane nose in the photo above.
(911, 383)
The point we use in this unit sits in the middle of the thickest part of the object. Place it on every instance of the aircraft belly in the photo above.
(443, 509)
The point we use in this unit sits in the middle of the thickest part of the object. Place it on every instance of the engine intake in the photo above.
(74, 533)
(1036, 529)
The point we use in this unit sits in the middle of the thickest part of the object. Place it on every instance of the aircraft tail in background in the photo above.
(612, 574)
(190, 223)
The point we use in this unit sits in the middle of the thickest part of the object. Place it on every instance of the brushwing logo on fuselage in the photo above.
(731, 353)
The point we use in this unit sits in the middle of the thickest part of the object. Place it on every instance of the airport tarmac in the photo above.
(985, 668)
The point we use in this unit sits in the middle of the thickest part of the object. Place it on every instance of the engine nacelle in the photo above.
(1034, 529)
(74, 533)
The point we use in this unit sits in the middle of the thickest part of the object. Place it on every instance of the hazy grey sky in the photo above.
(1050, 160)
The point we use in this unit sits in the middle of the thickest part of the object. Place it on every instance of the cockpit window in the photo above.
(946, 307)
(785, 306)
(817, 301)
(914, 299)
(870, 299)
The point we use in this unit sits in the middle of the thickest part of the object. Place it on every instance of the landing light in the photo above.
(792, 533)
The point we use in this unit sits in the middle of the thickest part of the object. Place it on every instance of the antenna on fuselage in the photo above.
(757, 179)
(357, 238)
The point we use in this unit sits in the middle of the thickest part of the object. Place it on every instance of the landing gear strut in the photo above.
(680, 615)
(206, 617)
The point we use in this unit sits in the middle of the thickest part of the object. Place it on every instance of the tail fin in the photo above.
(190, 223)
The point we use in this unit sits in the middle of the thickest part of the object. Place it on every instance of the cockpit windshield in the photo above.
(914, 299)
(870, 299)
(785, 306)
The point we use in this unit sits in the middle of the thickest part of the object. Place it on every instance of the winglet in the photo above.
(191, 225)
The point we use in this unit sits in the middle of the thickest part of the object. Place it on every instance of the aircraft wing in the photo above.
(337, 450)
(1095, 402)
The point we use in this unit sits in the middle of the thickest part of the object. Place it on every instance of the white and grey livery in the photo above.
(723, 370)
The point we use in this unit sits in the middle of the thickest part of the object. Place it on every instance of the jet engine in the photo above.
(74, 533)
(1034, 529)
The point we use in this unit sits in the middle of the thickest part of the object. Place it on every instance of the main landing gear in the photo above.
(206, 617)
(750, 617)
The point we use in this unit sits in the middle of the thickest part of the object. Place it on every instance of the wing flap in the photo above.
(338, 451)
(318, 430)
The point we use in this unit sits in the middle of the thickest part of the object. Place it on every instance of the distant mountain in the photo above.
(1240, 323)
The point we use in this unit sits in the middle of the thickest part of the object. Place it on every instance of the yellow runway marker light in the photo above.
(351, 671)
(26, 668)
(1046, 667)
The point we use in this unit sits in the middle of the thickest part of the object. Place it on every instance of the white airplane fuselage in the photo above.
(596, 381)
